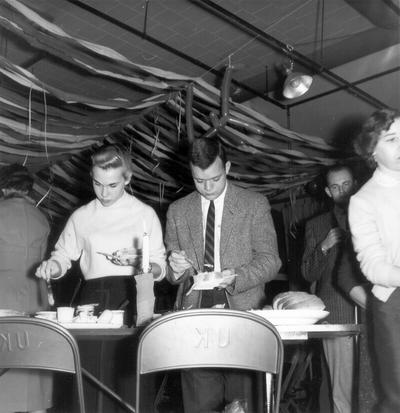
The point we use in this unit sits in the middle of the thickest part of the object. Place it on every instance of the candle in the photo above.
(145, 252)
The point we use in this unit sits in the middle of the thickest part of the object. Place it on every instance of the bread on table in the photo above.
(293, 300)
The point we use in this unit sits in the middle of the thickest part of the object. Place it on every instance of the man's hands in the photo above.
(229, 278)
(48, 269)
(179, 263)
(335, 235)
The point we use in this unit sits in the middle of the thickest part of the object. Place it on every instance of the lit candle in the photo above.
(145, 251)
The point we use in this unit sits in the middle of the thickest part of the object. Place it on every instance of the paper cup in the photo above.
(65, 314)
(117, 317)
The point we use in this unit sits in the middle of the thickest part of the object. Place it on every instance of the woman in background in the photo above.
(23, 242)
(374, 217)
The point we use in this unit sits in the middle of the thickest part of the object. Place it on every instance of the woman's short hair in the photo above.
(366, 140)
(204, 151)
(112, 156)
(16, 178)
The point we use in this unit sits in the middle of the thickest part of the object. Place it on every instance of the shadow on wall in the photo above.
(345, 132)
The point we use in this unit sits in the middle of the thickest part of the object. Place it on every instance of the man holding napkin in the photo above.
(229, 231)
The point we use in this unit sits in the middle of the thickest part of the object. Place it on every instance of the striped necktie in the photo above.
(209, 239)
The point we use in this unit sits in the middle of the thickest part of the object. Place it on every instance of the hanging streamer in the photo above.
(189, 112)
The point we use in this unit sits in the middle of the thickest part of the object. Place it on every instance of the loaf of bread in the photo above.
(292, 300)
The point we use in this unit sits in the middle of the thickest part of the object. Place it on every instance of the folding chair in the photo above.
(32, 343)
(212, 338)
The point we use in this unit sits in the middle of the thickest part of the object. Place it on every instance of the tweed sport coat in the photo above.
(248, 244)
(336, 273)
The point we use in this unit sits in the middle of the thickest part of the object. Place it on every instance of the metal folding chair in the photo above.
(212, 338)
(32, 343)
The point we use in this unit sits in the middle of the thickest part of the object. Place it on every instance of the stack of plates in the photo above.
(292, 317)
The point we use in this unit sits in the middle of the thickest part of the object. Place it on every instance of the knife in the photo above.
(50, 296)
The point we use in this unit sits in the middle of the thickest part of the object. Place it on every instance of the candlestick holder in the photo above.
(145, 298)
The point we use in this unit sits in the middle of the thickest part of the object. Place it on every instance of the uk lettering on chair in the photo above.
(212, 338)
(31, 343)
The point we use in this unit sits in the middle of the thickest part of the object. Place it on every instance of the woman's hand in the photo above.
(48, 269)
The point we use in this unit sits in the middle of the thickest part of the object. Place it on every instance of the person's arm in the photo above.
(265, 262)
(157, 249)
(371, 252)
(178, 270)
(66, 250)
(349, 277)
(315, 259)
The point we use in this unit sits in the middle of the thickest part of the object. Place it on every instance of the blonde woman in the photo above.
(114, 220)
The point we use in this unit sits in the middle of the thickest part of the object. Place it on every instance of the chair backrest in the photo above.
(210, 338)
(33, 343)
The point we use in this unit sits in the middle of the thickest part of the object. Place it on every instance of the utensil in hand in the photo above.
(189, 261)
(50, 296)
(108, 256)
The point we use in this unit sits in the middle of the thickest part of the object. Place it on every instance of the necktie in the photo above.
(209, 239)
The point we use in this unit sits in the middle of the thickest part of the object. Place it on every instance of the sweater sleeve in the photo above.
(157, 251)
(67, 248)
(371, 252)
(265, 262)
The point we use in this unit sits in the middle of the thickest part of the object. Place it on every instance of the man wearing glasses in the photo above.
(329, 262)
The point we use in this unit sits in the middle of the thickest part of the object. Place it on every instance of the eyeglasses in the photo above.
(345, 186)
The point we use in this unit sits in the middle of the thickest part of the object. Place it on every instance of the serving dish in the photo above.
(292, 317)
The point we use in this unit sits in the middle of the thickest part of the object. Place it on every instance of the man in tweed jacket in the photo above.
(329, 261)
(245, 245)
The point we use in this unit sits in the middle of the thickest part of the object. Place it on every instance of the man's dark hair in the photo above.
(367, 139)
(16, 177)
(204, 151)
(336, 168)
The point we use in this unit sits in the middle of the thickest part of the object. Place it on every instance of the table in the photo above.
(287, 332)
(290, 334)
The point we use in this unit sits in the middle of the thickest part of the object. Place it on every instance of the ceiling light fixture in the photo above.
(296, 84)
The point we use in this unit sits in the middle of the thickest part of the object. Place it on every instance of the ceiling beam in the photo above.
(358, 82)
(171, 49)
(277, 44)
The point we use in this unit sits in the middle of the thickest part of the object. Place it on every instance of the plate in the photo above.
(209, 280)
(7, 313)
(292, 317)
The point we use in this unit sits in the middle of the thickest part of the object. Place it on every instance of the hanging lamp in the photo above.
(296, 84)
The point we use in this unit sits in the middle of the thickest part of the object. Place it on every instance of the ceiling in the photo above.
(199, 38)
(140, 72)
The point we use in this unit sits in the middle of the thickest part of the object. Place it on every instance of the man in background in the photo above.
(329, 261)
(229, 230)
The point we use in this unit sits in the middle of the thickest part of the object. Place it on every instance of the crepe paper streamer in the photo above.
(226, 84)
(189, 112)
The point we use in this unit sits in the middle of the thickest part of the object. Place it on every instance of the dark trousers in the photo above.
(112, 362)
(386, 331)
(210, 390)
